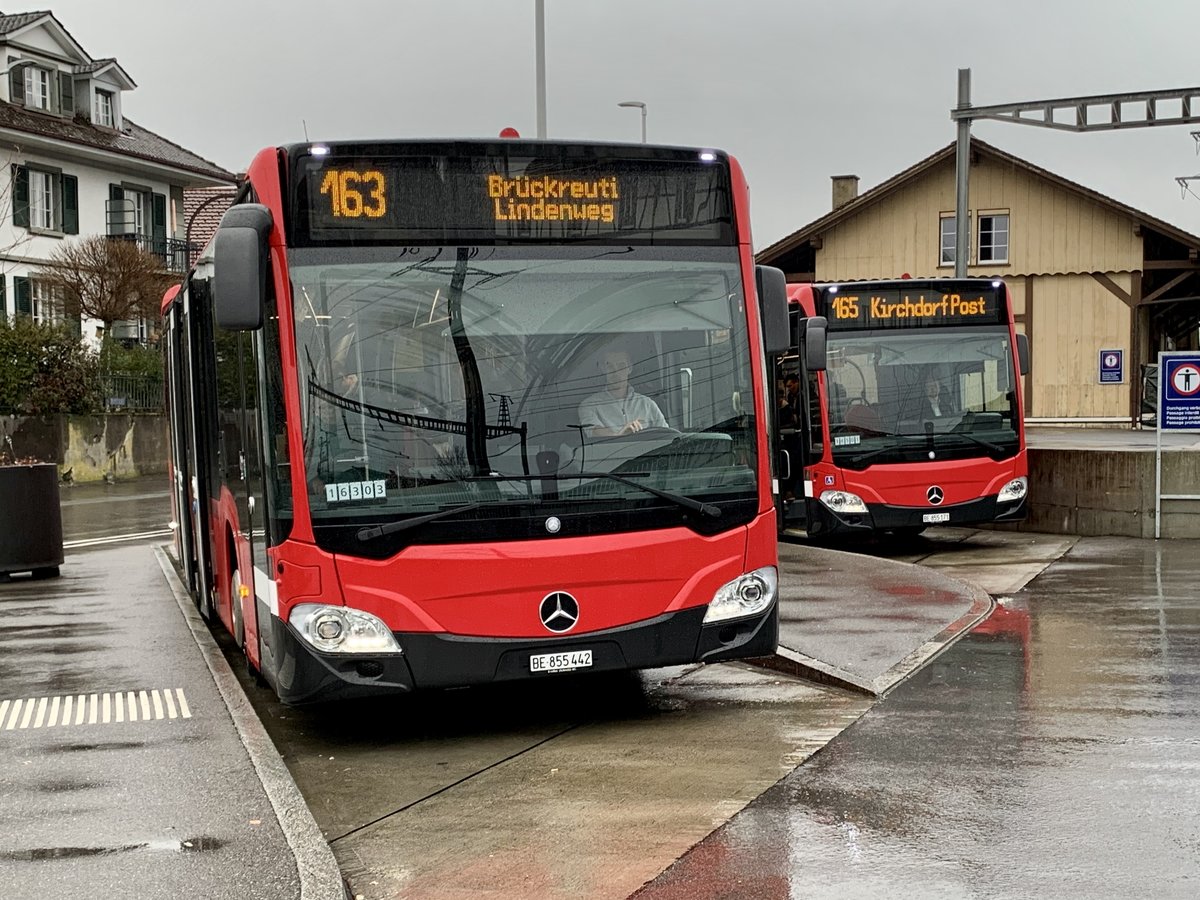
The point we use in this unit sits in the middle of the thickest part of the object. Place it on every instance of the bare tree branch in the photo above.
(106, 278)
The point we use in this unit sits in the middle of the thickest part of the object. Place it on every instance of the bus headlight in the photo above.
(337, 629)
(746, 595)
(1014, 490)
(843, 502)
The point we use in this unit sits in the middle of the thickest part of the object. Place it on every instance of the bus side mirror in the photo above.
(240, 267)
(1023, 353)
(773, 307)
(812, 333)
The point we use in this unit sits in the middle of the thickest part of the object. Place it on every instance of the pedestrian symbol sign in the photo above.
(1185, 379)
(1179, 392)
(1112, 366)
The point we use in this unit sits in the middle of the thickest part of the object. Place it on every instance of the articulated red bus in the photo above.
(917, 419)
(457, 412)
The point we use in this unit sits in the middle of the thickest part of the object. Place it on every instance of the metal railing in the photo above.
(173, 252)
(132, 393)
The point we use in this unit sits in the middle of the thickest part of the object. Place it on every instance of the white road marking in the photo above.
(115, 539)
(93, 709)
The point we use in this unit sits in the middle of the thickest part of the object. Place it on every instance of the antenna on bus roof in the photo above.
(304, 125)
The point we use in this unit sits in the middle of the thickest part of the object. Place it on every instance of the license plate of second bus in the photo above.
(560, 662)
(930, 518)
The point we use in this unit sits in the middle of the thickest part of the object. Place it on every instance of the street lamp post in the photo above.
(637, 104)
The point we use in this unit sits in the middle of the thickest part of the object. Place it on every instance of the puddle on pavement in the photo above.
(41, 854)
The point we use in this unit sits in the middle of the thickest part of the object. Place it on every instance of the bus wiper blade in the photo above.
(987, 445)
(367, 534)
(705, 509)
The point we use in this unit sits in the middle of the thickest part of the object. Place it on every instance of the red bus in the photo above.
(917, 419)
(456, 412)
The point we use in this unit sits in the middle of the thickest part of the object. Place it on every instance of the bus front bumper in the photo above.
(824, 522)
(439, 660)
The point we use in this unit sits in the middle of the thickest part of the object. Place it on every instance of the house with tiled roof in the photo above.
(1091, 277)
(75, 165)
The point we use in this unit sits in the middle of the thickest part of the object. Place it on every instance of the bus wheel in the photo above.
(235, 604)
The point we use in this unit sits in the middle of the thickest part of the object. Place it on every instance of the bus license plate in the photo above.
(930, 518)
(560, 662)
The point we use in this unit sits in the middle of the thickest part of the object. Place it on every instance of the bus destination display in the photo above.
(920, 308)
(423, 199)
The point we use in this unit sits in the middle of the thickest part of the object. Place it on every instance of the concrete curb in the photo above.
(981, 607)
(320, 877)
(793, 662)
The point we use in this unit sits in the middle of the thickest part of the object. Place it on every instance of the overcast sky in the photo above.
(797, 90)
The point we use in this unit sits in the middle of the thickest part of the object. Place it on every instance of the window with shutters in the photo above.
(37, 88)
(104, 109)
(45, 200)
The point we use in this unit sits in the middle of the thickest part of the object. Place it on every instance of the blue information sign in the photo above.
(1112, 366)
(1179, 391)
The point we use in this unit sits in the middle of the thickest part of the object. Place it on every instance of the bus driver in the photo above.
(618, 409)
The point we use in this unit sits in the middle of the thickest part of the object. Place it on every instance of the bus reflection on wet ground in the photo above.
(1050, 752)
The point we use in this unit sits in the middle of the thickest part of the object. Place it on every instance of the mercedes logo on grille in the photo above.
(559, 612)
(934, 495)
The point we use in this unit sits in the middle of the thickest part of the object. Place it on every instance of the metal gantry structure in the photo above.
(1101, 112)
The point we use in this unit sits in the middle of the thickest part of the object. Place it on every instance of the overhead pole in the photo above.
(540, 64)
(1116, 112)
(962, 175)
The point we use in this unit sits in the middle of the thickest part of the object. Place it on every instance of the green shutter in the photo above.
(66, 93)
(70, 204)
(158, 225)
(20, 196)
(116, 209)
(17, 89)
(23, 291)
(3, 292)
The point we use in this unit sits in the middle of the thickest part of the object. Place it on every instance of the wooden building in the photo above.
(1087, 274)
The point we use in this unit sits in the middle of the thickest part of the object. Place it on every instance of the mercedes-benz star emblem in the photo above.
(935, 495)
(554, 524)
(559, 612)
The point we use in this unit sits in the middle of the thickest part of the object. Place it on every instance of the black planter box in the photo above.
(31, 537)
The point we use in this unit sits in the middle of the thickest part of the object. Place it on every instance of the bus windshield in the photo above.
(908, 396)
(486, 378)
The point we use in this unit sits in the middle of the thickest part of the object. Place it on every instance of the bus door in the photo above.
(196, 488)
(185, 541)
(800, 423)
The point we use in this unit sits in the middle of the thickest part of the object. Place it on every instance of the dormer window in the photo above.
(104, 109)
(37, 88)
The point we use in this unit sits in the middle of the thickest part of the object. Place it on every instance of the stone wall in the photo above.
(90, 448)
(1090, 492)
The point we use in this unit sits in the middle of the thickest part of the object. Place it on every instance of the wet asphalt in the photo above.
(1052, 752)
